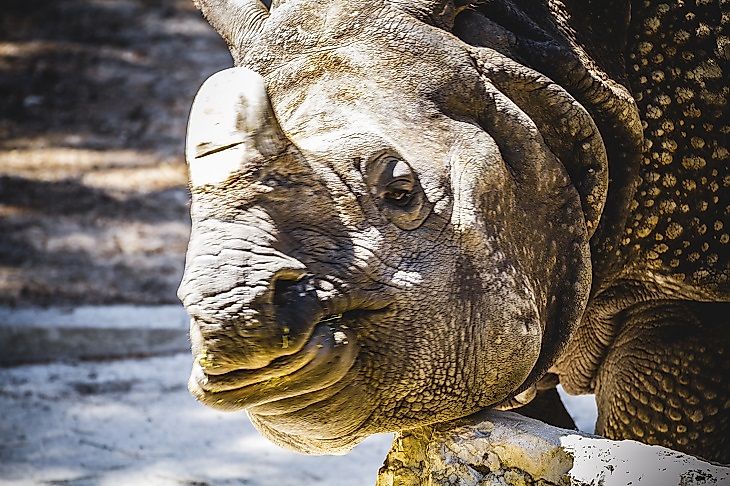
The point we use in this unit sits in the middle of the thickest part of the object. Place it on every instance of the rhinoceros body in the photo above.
(405, 212)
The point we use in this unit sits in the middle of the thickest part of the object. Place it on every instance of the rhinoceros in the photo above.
(404, 212)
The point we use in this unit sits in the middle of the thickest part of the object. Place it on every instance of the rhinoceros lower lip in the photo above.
(323, 361)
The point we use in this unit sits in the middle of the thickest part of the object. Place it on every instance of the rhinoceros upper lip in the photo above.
(232, 380)
(282, 366)
(324, 360)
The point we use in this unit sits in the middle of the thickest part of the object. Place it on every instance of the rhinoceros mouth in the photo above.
(322, 362)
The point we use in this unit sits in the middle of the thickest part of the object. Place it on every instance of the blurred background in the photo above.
(94, 98)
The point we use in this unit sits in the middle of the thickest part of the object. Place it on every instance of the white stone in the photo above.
(504, 448)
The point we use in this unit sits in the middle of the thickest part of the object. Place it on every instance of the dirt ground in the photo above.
(94, 97)
(133, 422)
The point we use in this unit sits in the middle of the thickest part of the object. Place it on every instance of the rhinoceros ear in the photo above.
(231, 122)
(564, 124)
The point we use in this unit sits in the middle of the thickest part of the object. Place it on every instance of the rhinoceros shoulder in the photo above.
(677, 64)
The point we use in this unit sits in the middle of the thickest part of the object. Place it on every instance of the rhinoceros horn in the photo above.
(231, 122)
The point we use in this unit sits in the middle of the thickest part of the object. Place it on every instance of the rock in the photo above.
(504, 448)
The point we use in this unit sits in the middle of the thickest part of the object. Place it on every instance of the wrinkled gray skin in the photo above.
(392, 224)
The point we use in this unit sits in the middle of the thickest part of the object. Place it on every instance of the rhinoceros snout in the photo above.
(291, 345)
(247, 307)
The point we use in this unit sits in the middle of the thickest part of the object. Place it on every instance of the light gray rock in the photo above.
(503, 448)
(34, 334)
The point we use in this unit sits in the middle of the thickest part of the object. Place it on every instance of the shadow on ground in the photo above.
(94, 98)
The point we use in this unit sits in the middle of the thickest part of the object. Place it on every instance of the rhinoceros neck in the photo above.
(677, 225)
(653, 76)
(672, 240)
(542, 35)
(552, 38)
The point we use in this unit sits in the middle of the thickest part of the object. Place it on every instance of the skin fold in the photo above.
(405, 212)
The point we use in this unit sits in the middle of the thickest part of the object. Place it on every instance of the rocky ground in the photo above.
(94, 99)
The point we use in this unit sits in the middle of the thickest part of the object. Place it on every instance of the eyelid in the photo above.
(401, 183)
(396, 190)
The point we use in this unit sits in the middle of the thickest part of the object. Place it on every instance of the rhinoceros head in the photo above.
(386, 230)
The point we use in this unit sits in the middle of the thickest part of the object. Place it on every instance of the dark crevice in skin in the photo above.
(350, 311)
(513, 19)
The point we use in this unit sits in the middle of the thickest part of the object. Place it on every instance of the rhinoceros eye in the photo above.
(397, 193)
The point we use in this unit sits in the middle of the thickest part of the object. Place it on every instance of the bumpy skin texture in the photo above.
(662, 382)
(407, 216)
(673, 249)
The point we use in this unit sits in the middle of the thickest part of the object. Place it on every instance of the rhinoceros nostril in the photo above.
(289, 292)
(295, 306)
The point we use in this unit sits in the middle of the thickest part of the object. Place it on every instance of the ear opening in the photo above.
(566, 127)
